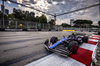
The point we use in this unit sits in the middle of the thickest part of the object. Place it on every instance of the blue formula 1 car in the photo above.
(66, 45)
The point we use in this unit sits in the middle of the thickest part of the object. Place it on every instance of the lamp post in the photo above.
(99, 9)
(55, 21)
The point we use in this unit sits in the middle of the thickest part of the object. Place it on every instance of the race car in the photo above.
(66, 45)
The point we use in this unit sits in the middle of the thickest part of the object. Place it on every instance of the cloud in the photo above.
(61, 6)
(49, 1)
(55, 3)
(19, 1)
(9, 2)
(63, 2)
(89, 14)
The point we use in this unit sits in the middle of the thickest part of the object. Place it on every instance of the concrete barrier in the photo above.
(13, 29)
(32, 29)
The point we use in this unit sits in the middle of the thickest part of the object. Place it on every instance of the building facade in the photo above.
(71, 22)
(6, 11)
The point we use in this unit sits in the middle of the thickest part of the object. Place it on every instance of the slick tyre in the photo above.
(53, 40)
(73, 46)
(85, 39)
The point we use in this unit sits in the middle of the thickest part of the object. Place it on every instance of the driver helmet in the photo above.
(73, 33)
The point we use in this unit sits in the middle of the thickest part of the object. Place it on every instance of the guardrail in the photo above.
(13, 30)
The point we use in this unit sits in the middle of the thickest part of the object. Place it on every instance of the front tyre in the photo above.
(73, 46)
(53, 40)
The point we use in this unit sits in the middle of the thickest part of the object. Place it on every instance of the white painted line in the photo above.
(93, 40)
(94, 37)
(88, 46)
(55, 60)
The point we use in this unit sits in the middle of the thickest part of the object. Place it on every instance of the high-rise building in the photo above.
(6, 11)
(3, 10)
(71, 22)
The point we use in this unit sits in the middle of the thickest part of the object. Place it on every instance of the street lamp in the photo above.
(55, 20)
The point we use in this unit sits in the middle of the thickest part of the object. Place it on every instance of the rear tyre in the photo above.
(53, 40)
(85, 39)
(73, 46)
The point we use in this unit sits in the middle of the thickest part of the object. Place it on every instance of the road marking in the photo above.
(88, 46)
(93, 40)
(93, 37)
(96, 36)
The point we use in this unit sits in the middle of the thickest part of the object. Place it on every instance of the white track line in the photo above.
(93, 40)
(94, 37)
(88, 46)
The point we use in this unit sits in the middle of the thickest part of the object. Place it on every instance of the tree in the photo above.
(43, 19)
(52, 22)
(11, 16)
(65, 25)
(18, 14)
(27, 15)
(37, 18)
(11, 20)
(99, 23)
(24, 15)
(82, 23)
(5, 16)
(94, 26)
(31, 16)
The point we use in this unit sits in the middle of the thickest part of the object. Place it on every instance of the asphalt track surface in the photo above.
(21, 48)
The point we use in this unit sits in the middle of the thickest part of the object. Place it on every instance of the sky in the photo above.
(59, 7)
